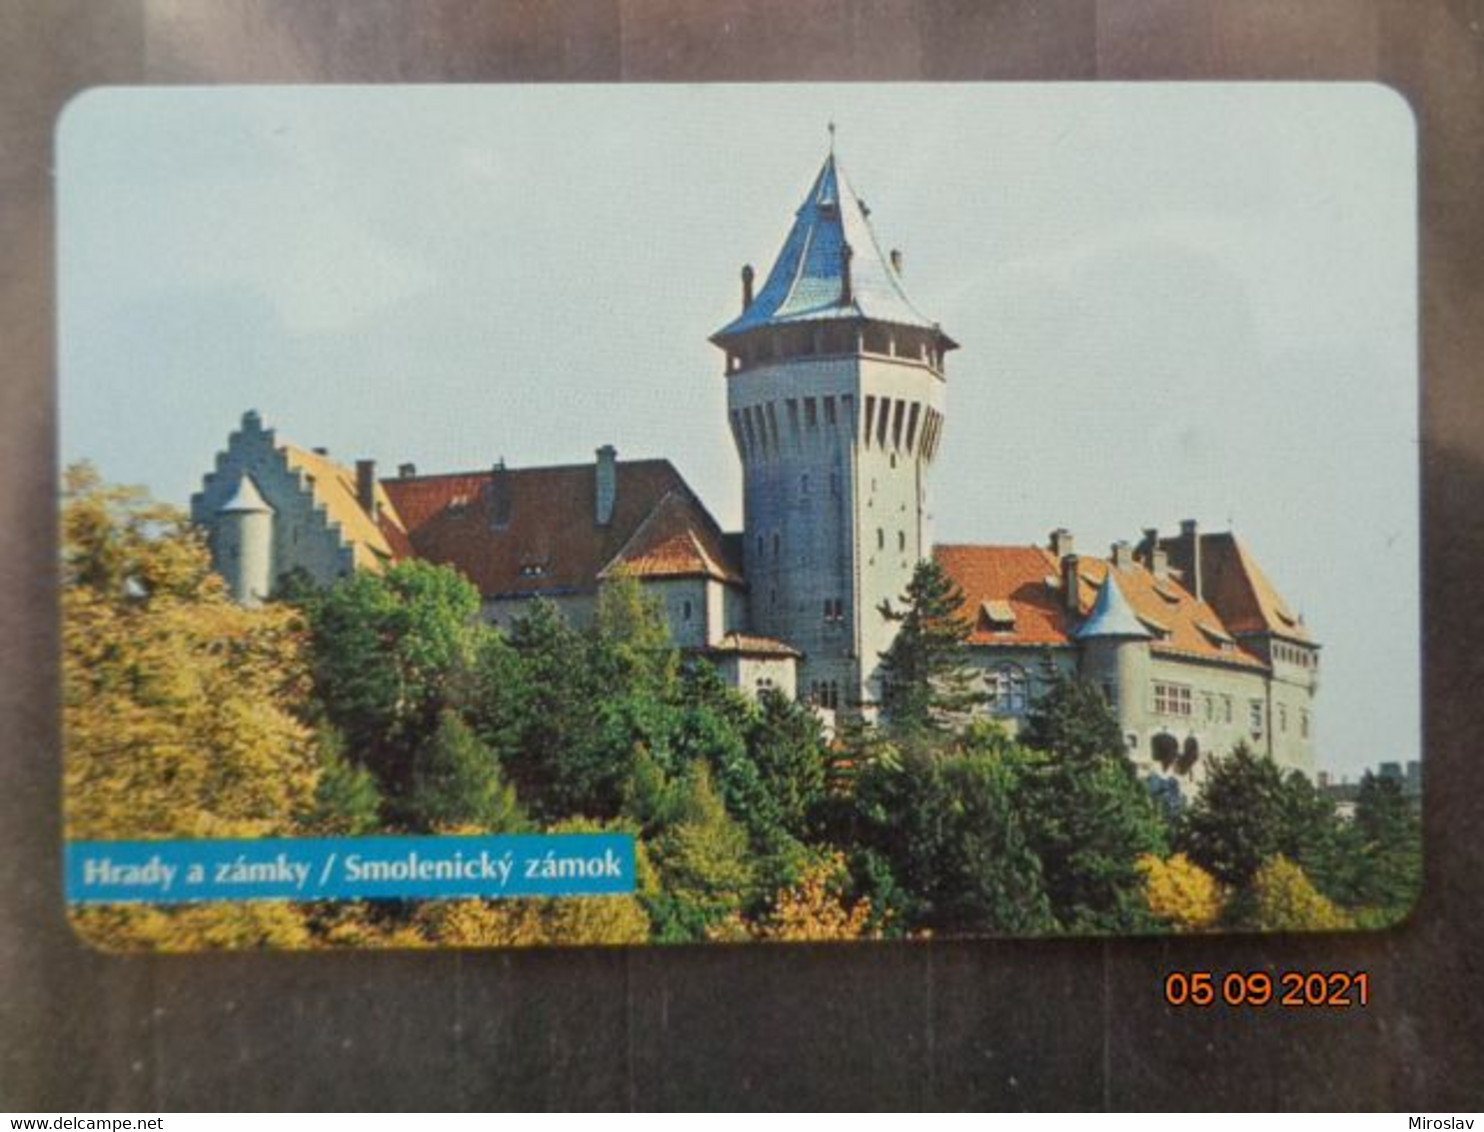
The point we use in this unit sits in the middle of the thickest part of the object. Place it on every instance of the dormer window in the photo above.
(997, 617)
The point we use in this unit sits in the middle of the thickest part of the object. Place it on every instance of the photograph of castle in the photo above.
(822, 716)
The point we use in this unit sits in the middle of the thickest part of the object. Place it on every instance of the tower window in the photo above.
(685, 609)
(893, 459)
(811, 413)
(760, 546)
(902, 541)
(829, 410)
(880, 538)
(1254, 717)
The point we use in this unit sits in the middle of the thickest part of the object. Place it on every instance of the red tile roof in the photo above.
(678, 539)
(1234, 584)
(552, 542)
(1027, 579)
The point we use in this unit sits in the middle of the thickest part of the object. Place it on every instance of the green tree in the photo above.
(926, 684)
(1388, 830)
(1088, 817)
(389, 654)
(704, 864)
(1239, 819)
(946, 826)
(786, 744)
(346, 800)
(456, 784)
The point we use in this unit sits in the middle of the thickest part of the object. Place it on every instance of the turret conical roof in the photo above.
(1111, 615)
(246, 499)
(808, 280)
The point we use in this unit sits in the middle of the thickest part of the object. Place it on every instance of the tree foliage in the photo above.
(926, 684)
(1088, 816)
(1181, 893)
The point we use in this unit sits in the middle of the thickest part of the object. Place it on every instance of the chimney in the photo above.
(1061, 543)
(896, 261)
(321, 451)
(1071, 584)
(1190, 539)
(1122, 555)
(607, 483)
(499, 496)
(1159, 563)
(847, 294)
(746, 285)
(406, 471)
(366, 486)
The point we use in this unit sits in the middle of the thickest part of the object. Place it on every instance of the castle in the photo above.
(836, 401)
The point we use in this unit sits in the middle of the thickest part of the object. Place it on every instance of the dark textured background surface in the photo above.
(999, 1025)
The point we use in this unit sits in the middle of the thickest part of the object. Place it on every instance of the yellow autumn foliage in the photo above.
(1181, 893)
(1286, 900)
(814, 909)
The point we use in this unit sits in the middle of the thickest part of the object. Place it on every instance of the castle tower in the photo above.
(1115, 652)
(243, 543)
(835, 398)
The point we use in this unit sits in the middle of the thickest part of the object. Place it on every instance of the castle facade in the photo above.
(836, 401)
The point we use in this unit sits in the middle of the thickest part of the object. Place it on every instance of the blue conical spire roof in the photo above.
(1111, 615)
(807, 283)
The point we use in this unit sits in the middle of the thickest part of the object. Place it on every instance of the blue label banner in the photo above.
(350, 868)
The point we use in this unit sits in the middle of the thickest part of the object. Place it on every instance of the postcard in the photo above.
(590, 515)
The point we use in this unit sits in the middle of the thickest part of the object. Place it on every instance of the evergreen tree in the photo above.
(1389, 832)
(1088, 817)
(456, 784)
(926, 684)
(946, 827)
(1239, 820)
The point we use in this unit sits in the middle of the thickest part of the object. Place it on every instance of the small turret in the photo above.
(244, 543)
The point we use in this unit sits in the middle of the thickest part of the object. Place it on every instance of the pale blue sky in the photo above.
(1173, 301)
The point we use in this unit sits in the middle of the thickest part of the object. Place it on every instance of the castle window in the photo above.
(1303, 723)
(880, 538)
(777, 544)
(1283, 718)
(835, 483)
(1226, 709)
(902, 540)
(1171, 699)
(760, 547)
(1208, 701)
(811, 413)
(764, 684)
(834, 610)
(685, 609)
(1008, 690)
(793, 417)
(893, 459)
(1110, 693)
(1254, 717)
(829, 410)
(804, 484)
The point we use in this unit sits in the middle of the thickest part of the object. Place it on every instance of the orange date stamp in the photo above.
(1335, 990)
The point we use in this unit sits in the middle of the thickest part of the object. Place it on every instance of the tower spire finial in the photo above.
(831, 128)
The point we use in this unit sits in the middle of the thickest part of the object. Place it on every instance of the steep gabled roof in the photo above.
(1235, 586)
(678, 539)
(808, 277)
(546, 538)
